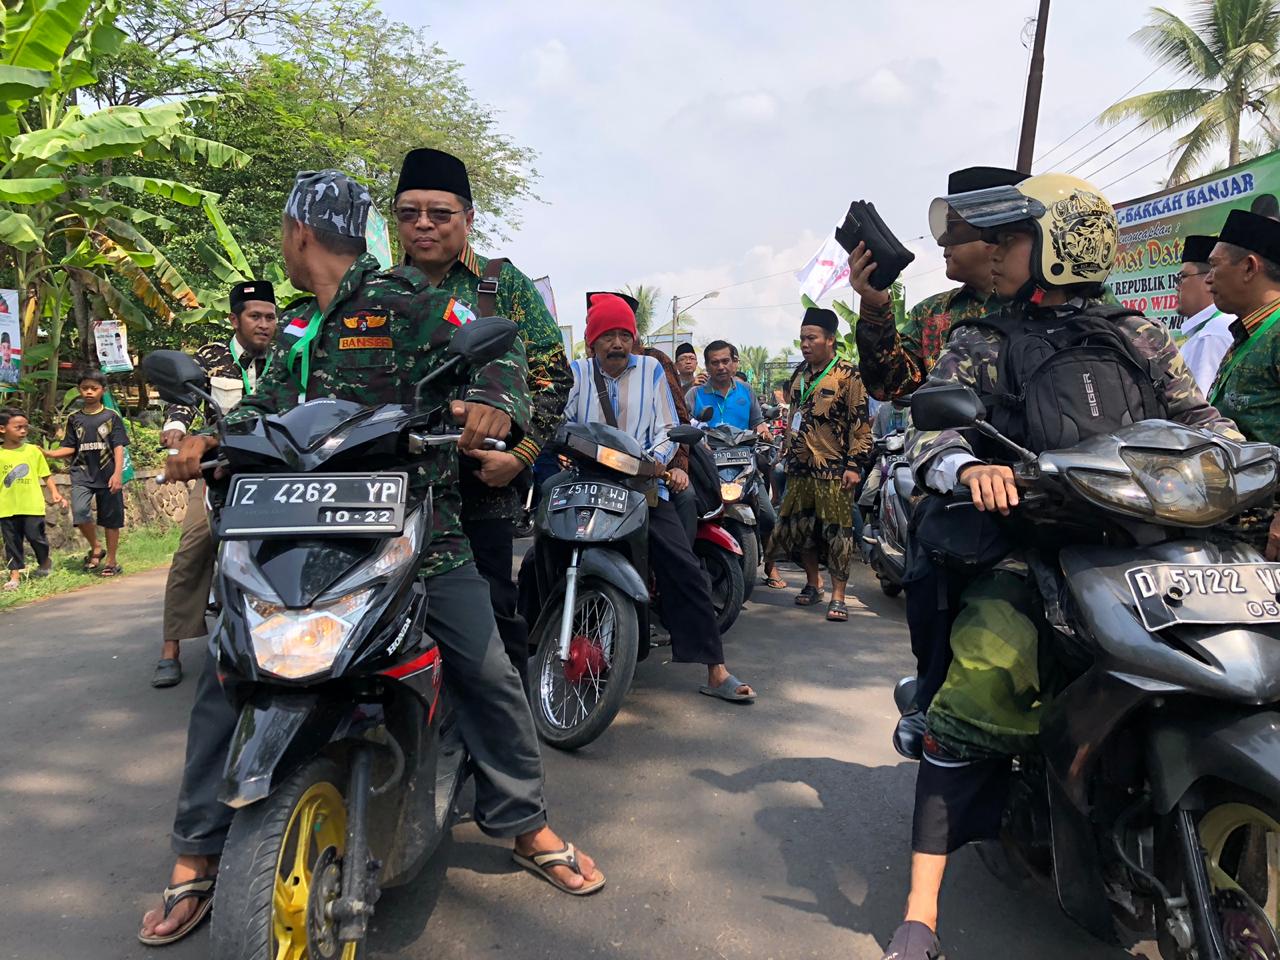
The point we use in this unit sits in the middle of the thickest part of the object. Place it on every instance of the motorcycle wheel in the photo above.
(725, 572)
(570, 713)
(889, 588)
(270, 899)
(1240, 836)
(746, 536)
(524, 526)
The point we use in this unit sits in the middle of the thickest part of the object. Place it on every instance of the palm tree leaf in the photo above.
(1194, 146)
(25, 190)
(1173, 42)
(111, 132)
(19, 231)
(188, 149)
(225, 237)
(22, 83)
(152, 186)
(93, 208)
(221, 267)
(128, 264)
(37, 34)
(1160, 108)
(119, 305)
(162, 272)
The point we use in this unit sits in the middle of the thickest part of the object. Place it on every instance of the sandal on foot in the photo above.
(111, 570)
(837, 611)
(808, 596)
(729, 691)
(775, 582)
(913, 941)
(541, 864)
(168, 673)
(201, 888)
(12, 584)
(93, 558)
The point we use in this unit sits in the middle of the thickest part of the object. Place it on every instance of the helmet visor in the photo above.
(980, 210)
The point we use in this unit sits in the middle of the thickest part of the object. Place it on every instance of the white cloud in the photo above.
(884, 88)
(755, 107)
(552, 67)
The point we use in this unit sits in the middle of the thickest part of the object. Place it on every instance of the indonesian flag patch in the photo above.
(458, 313)
(297, 327)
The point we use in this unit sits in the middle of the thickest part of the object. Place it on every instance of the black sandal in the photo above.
(201, 888)
(93, 558)
(111, 570)
(809, 596)
(837, 611)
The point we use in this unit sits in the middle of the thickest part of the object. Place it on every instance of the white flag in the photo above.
(828, 269)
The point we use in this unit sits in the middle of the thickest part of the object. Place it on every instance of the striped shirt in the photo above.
(642, 402)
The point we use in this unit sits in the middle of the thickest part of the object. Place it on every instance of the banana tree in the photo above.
(74, 238)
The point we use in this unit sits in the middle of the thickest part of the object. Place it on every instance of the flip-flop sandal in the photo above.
(93, 558)
(541, 864)
(729, 691)
(913, 941)
(200, 888)
(111, 570)
(808, 596)
(777, 583)
(12, 584)
(168, 673)
(837, 611)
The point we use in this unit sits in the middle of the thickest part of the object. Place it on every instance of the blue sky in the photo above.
(700, 146)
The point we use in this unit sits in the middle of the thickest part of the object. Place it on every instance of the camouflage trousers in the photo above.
(816, 515)
(989, 704)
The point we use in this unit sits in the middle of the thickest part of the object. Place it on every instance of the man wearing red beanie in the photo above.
(634, 389)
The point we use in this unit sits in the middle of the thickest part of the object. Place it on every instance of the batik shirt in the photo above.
(835, 431)
(894, 363)
(549, 378)
(228, 369)
(1250, 394)
(382, 332)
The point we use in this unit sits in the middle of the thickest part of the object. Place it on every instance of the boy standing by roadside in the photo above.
(22, 467)
(95, 440)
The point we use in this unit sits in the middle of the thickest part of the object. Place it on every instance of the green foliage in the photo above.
(648, 299)
(1227, 50)
(754, 361)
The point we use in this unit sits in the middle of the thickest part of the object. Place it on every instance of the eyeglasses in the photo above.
(437, 215)
(1183, 277)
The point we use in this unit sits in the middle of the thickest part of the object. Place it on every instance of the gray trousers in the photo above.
(493, 718)
(186, 591)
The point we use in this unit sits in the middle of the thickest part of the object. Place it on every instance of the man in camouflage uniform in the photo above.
(369, 335)
(894, 363)
(433, 210)
(1244, 278)
(987, 710)
(233, 367)
(825, 453)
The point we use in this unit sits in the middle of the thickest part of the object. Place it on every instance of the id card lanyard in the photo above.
(807, 392)
(302, 346)
(244, 374)
(1220, 384)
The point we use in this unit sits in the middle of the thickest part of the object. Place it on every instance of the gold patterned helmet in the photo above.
(1075, 227)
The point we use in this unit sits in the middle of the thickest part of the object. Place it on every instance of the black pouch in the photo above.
(965, 540)
(863, 225)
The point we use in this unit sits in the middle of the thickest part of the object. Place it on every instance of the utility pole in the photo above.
(1035, 79)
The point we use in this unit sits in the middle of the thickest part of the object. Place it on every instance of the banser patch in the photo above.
(458, 313)
(364, 343)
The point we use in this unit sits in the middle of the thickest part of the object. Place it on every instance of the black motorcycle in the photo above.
(886, 497)
(591, 580)
(737, 454)
(346, 763)
(1153, 802)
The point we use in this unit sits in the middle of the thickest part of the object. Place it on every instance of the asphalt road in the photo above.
(778, 830)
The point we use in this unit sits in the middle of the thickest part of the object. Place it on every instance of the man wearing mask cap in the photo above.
(434, 213)
(630, 391)
(369, 335)
(233, 367)
(894, 364)
(1206, 331)
(825, 454)
(1244, 278)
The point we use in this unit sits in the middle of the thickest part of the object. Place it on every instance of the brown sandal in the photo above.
(201, 889)
(542, 863)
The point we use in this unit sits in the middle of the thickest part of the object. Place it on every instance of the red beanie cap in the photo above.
(608, 312)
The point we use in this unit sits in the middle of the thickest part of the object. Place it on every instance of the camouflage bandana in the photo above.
(329, 200)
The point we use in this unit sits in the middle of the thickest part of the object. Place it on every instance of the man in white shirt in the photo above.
(1206, 329)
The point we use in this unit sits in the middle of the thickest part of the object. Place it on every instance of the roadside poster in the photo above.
(377, 238)
(1153, 228)
(10, 340)
(113, 346)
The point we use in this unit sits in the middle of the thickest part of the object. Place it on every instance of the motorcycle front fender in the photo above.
(273, 740)
(741, 512)
(1238, 747)
(720, 537)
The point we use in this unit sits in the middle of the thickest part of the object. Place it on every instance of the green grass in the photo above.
(140, 549)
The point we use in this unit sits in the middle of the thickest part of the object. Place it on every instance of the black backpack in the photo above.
(1062, 381)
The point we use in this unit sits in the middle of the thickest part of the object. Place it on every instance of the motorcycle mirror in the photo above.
(946, 406)
(704, 414)
(176, 377)
(483, 340)
(770, 411)
(685, 434)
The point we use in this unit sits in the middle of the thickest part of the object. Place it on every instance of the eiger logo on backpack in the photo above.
(1091, 395)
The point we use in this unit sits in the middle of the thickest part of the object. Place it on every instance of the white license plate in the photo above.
(1215, 593)
(278, 505)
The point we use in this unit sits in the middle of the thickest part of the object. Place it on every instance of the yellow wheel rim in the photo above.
(318, 821)
(1243, 846)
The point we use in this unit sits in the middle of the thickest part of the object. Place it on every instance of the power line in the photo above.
(1118, 140)
(1163, 156)
(1089, 123)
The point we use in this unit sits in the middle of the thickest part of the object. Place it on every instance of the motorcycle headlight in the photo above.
(294, 644)
(617, 460)
(895, 442)
(731, 492)
(1195, 489)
